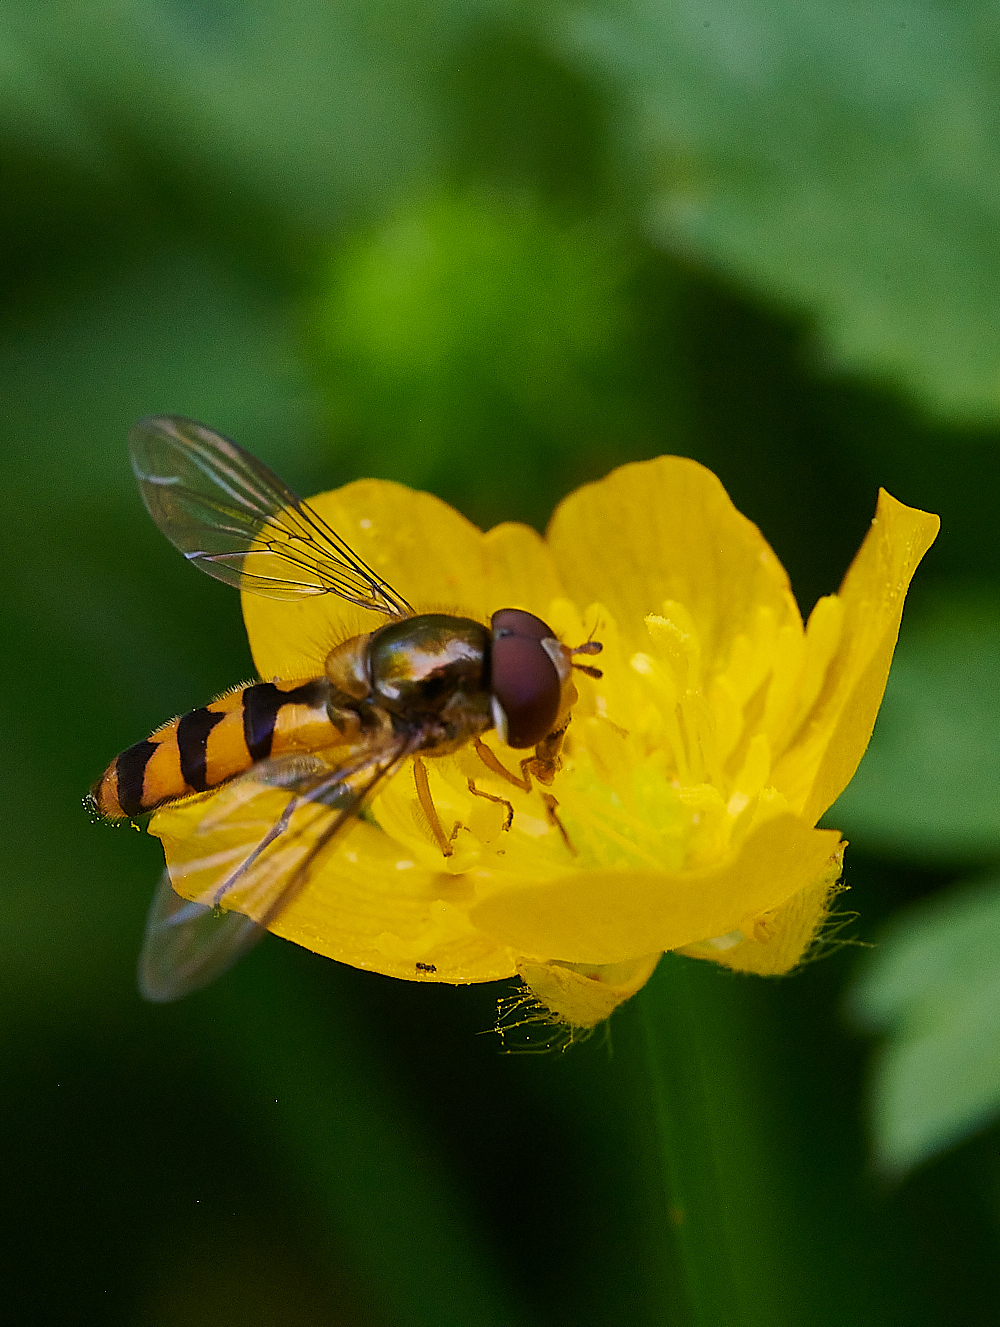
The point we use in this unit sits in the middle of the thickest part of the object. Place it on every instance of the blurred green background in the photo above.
(494, 249)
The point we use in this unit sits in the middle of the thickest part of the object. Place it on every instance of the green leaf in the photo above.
(933, 986)
(841, 158)
(308, 108)
(927, 787)
(38, 114)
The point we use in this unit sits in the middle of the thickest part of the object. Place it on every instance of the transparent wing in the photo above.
(237, 521)
(251, 854)
(188, 945)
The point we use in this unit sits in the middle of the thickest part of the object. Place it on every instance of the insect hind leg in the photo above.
(278, 828)
(331, 792)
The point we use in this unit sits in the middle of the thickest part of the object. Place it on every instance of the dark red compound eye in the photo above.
(525, 683)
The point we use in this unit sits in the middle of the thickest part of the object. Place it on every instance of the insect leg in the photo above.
(544, 765)
(497, 767)
(334, 793)
(550, 811)
(324, 795)
(430, 810)
(500, 801)
(278, 828)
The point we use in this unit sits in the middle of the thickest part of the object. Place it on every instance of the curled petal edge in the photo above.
(582, 995)
(824, 755)
(601, 917)
(779, 939)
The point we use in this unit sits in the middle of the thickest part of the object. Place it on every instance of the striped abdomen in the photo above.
(205, 747)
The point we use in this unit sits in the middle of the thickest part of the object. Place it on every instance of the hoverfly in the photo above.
(422, 685)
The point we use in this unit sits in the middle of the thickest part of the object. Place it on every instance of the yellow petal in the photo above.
(613, 916)
(584, 995)
(368, 904)
(433, 556)
(666, 530)
(520, 570)
(777, 940)
(833, 736)
(376, 909)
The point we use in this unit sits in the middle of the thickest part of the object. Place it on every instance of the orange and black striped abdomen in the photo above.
(206, 747)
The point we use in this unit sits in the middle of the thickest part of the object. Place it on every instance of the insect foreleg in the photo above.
(498, 767)
(544, 765)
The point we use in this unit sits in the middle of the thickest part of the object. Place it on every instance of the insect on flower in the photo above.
(303, 757)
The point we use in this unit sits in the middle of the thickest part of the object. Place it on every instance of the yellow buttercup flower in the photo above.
(694, 770)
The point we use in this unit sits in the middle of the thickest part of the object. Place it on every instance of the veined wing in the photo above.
(236, 520)
(188, 945)
(252, 853)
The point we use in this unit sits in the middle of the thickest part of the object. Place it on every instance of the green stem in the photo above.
(673, 1077)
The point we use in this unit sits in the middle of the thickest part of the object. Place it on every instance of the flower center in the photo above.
(671, 759)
